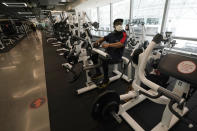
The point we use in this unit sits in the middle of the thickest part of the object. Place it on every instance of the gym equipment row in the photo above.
(12, 33)
(148, 68)
(68, 44)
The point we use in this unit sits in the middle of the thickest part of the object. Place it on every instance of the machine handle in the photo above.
(171, 96)
(100, 52)
(152, 85)
(150, 96)
(186, 121)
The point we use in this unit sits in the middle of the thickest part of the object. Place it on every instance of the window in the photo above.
(185, 45)
(94, 18)
(104, 19)
(92, 14)
(150, 12)
(121, 10)
(182, 18)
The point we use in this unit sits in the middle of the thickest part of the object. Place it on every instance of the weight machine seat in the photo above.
(180, 67)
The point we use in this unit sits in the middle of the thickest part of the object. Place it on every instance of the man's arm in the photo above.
(114, 45)
(100, 41)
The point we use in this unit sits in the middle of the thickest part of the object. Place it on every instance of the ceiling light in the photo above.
(45, 10)
(5, 4)
(7, 19)
(61, 4)
(66, 1)
(56, 11)
(30, 16)
(15, 4)
(25, 13)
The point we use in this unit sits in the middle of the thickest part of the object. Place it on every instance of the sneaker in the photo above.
(104, 83)
(97, 76)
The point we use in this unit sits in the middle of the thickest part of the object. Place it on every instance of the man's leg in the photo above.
(98, 74)
(105, 81)
(94, 58)
(105, 65)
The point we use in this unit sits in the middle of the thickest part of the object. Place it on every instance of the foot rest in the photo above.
(57, 45)
(62, 49)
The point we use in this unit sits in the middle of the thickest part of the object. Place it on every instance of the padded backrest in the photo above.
(180, 67)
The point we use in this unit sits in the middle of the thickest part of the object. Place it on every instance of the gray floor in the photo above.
(22, 80)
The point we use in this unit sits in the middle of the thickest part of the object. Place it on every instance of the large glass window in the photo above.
(150, 12)
(185, 45)
(92, 14)
(104, 18)
(182, 18)
(121, 9)
(93, 17)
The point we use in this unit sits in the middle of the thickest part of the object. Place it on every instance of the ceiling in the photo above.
(34, 6)
(94, 3)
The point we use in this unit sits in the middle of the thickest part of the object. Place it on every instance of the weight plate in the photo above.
(108, 108)
(102, 101)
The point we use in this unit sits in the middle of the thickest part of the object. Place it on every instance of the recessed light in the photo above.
(5, 4)
(60, 4)
(45, 10)
(56, 11)
(30, 16)
(25, 13)
(14, 4)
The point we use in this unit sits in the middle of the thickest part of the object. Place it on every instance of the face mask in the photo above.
(118, 28)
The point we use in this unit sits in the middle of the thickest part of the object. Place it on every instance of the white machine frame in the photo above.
(91, 85)
(131, 33)
(168, 120)
(83, 53)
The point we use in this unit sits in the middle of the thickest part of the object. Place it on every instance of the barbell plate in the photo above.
(101, 101)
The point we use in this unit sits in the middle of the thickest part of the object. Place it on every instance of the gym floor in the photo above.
(23, 71)
(22, 79)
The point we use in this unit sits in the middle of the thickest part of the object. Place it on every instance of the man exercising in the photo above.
(115, 45)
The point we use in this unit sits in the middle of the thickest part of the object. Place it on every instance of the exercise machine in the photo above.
(90, 85)
(183, 69)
